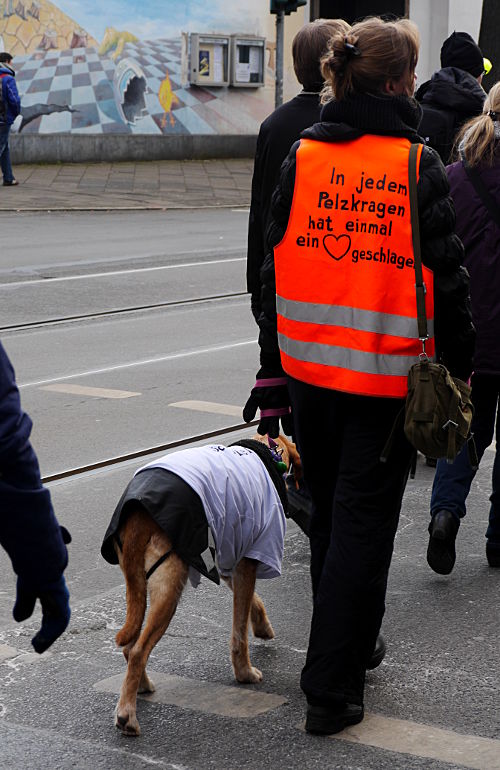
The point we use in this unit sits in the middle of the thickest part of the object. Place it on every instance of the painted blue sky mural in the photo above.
(158, 18)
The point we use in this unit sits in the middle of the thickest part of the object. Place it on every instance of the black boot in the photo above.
(327, 720)
(441, 549)
(493, 553)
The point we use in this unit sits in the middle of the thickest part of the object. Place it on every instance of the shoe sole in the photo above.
(439, 558)
(317, 726)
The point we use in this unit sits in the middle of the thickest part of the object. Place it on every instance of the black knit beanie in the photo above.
(459, 50)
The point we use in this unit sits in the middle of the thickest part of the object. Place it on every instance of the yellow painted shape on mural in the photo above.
(167, 99)
(114, 40)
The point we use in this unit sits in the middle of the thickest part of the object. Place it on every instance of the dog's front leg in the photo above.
(243, 585)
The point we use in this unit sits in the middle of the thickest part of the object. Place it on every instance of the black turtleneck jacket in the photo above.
(276, 135)
(442, 251)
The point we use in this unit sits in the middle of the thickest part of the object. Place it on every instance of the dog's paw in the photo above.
(264, 631)
(249, 675)
(126, 722)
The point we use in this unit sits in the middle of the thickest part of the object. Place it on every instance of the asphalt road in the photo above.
(105, 386)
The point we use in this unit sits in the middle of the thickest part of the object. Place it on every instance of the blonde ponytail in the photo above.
(478, 141)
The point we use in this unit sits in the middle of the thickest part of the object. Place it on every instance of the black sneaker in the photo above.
(441, 549)
(327, 720)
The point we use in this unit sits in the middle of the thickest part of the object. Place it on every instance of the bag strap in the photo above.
(420, 288)
(487, 198)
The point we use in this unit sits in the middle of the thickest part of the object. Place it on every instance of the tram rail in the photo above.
(119, 311)
(73, 472)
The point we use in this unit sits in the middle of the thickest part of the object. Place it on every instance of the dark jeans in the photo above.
(5, 153)
(357, 501)
(452, 483)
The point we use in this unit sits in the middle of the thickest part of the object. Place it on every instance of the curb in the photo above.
(159, 207)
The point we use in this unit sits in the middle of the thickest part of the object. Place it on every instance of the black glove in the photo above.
(56, 612)
(270, 395)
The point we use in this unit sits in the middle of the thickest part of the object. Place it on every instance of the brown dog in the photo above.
(142, 548)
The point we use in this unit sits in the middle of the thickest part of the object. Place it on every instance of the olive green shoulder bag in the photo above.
(438, 410)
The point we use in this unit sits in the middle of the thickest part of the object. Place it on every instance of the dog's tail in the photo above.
(135, 537)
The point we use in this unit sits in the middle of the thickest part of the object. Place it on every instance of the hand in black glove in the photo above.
(56, 612)
(270, 395)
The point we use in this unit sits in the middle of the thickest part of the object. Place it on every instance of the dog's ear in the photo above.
(293, 458)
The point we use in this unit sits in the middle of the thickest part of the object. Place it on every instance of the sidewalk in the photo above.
(143, 185)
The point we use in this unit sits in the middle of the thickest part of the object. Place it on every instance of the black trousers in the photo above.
(357, 500)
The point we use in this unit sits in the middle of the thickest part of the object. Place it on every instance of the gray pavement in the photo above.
(141, 185)
(432, 704)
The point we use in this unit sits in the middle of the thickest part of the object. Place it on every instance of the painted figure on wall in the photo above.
(82, 68)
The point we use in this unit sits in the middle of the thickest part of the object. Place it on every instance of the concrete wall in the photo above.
(71, 148)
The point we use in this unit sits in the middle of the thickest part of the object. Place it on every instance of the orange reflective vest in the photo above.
(345, 277)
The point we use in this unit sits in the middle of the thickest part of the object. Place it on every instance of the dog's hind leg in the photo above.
(243, 585)
(145, 685)
(261, 625)
(165, 587)
(135, 535)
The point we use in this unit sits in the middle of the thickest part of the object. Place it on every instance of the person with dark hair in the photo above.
(339, 326)
(454, 94)
(29, 531)
(10, 107)
(475, 189)
(276, 135)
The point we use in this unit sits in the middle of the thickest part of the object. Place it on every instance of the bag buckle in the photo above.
(423, 355)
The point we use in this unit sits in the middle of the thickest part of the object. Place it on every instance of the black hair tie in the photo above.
(493, 115)
(351, 50)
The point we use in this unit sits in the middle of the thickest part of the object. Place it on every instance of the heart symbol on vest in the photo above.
(337, 246)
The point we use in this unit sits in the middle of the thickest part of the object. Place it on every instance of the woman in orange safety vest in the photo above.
(338, 333)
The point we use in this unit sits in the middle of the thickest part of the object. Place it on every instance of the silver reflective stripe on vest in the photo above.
(346, 358)
(351, 318)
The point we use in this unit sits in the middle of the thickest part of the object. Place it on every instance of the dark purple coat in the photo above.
(481, 238)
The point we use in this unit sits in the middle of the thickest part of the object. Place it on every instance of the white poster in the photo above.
(218, 64)
(243, 72)
(255, 60)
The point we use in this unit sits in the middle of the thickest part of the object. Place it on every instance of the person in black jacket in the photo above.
(328, 299)
(277, 134)
(29, 530)
(453, 95)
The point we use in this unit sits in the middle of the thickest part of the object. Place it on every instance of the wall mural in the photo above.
(88, 66)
